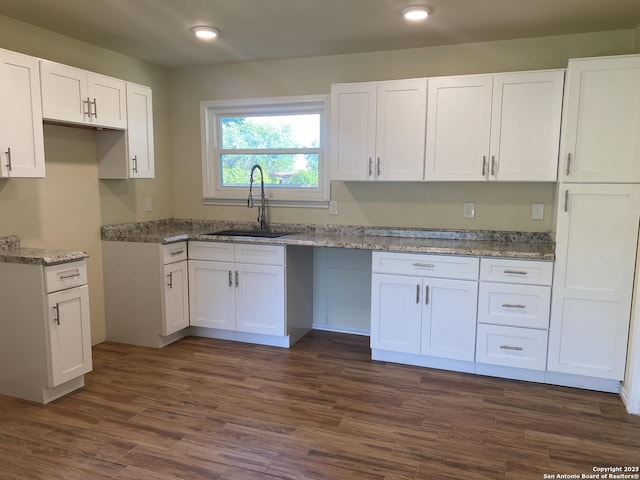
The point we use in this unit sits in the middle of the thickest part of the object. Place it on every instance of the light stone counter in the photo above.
(12, 252)
(524, 245)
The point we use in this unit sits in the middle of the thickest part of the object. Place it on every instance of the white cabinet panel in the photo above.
(443, 266)
(107, 100)
(512, 347)
(378, 130)
(21, 137)
(260, 299)
(396, 313)
(514, 305)
(69, 334)
(595, 260)
(507, 270)
(449, 318)
(141, 150)
(176, 297)
(601, 139)
(211, 301)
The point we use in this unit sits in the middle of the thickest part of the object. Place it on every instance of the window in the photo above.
(287, 137)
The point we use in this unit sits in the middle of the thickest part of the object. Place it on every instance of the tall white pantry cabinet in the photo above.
(597, 219)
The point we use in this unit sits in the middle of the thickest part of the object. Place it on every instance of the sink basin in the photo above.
(244, 233)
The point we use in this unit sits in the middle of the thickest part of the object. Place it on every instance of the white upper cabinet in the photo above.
(21, 138)
(601, 127)
(140, 131)
(76, 96)
(502, 127)
(378, 130)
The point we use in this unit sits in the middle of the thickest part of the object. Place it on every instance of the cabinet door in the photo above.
(176, 298)
(449, 318)
(396, 313)
(401, 117)
(353, 131)
(140, 131)
(260, 299)
(21, 138)
(69, 334)
(458, 128)
(211, 295)
(64, 93)
(108, 101)
(595, 259)
(602, 121)
(525, 126)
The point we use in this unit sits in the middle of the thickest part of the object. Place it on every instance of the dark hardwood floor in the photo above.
(209, 409)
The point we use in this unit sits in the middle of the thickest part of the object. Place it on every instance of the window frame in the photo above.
(216, 194)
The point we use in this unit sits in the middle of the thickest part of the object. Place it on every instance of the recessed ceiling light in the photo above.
(205, 33)
(416, 13)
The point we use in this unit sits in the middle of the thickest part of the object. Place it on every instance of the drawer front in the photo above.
(512, 347)
(260, 254)
(426, 265)
(514, 305)
(529, 272)
(65, 275)
(216, 251)
(174, 252)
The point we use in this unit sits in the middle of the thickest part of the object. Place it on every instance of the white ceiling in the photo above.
(158, 30)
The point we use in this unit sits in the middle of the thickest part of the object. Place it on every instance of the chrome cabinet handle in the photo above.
(135, 164)
(566, 201)
(424, 265)
(230, 278)
(417, 294)
(378, 167)
(568, 171)
(511, 305)
(515, 272)
(493, 165)
(170, 284)
(95, 109)
(370, 166)
(56, 313)
(511, 347)
(237, 278)
(8, 152)
(426, 295)
(176, 252)
(87, 102)
(484, 165)
(71, 275)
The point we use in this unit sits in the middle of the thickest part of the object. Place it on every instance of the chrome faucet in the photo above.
(262, 215)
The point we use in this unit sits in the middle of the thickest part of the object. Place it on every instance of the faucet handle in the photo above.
(250, 201)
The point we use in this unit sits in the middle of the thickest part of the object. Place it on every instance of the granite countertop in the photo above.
(12, 252)
(523, 245)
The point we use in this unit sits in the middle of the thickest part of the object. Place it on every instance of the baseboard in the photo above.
(340, 329)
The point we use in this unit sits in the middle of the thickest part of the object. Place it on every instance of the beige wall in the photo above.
(637, 38)
(67, 208)
(436, 205)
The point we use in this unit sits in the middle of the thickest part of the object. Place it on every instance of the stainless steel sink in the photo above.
(244, 233)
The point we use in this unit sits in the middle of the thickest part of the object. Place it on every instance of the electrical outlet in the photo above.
(537, 211)
(333, 207)
(469, 209)
(148, 205)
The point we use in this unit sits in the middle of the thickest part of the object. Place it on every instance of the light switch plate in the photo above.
(148, 205)
(537, 211)
(333, 207)
(469, 209)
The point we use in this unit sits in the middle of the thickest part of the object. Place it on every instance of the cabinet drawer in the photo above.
(260, 254)
(530, 272)
(217, 251)
(174, 252)
(512, 347)
(65, 275)
(514, 305)
(426, 265)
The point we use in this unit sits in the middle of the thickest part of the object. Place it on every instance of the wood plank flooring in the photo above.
(209, 409)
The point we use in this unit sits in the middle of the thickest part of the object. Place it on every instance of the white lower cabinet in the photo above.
(146, 292)
(420, 307)
(513, 312)
(237, 287)
(45, 340)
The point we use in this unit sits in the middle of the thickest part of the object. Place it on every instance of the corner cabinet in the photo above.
(601, 126)
(45, 340)
(501, 127)
(424, 304)
(146, 292)
(377, 130)
(596, 241)
(129, 154)
(76, 96)
(21, 136)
